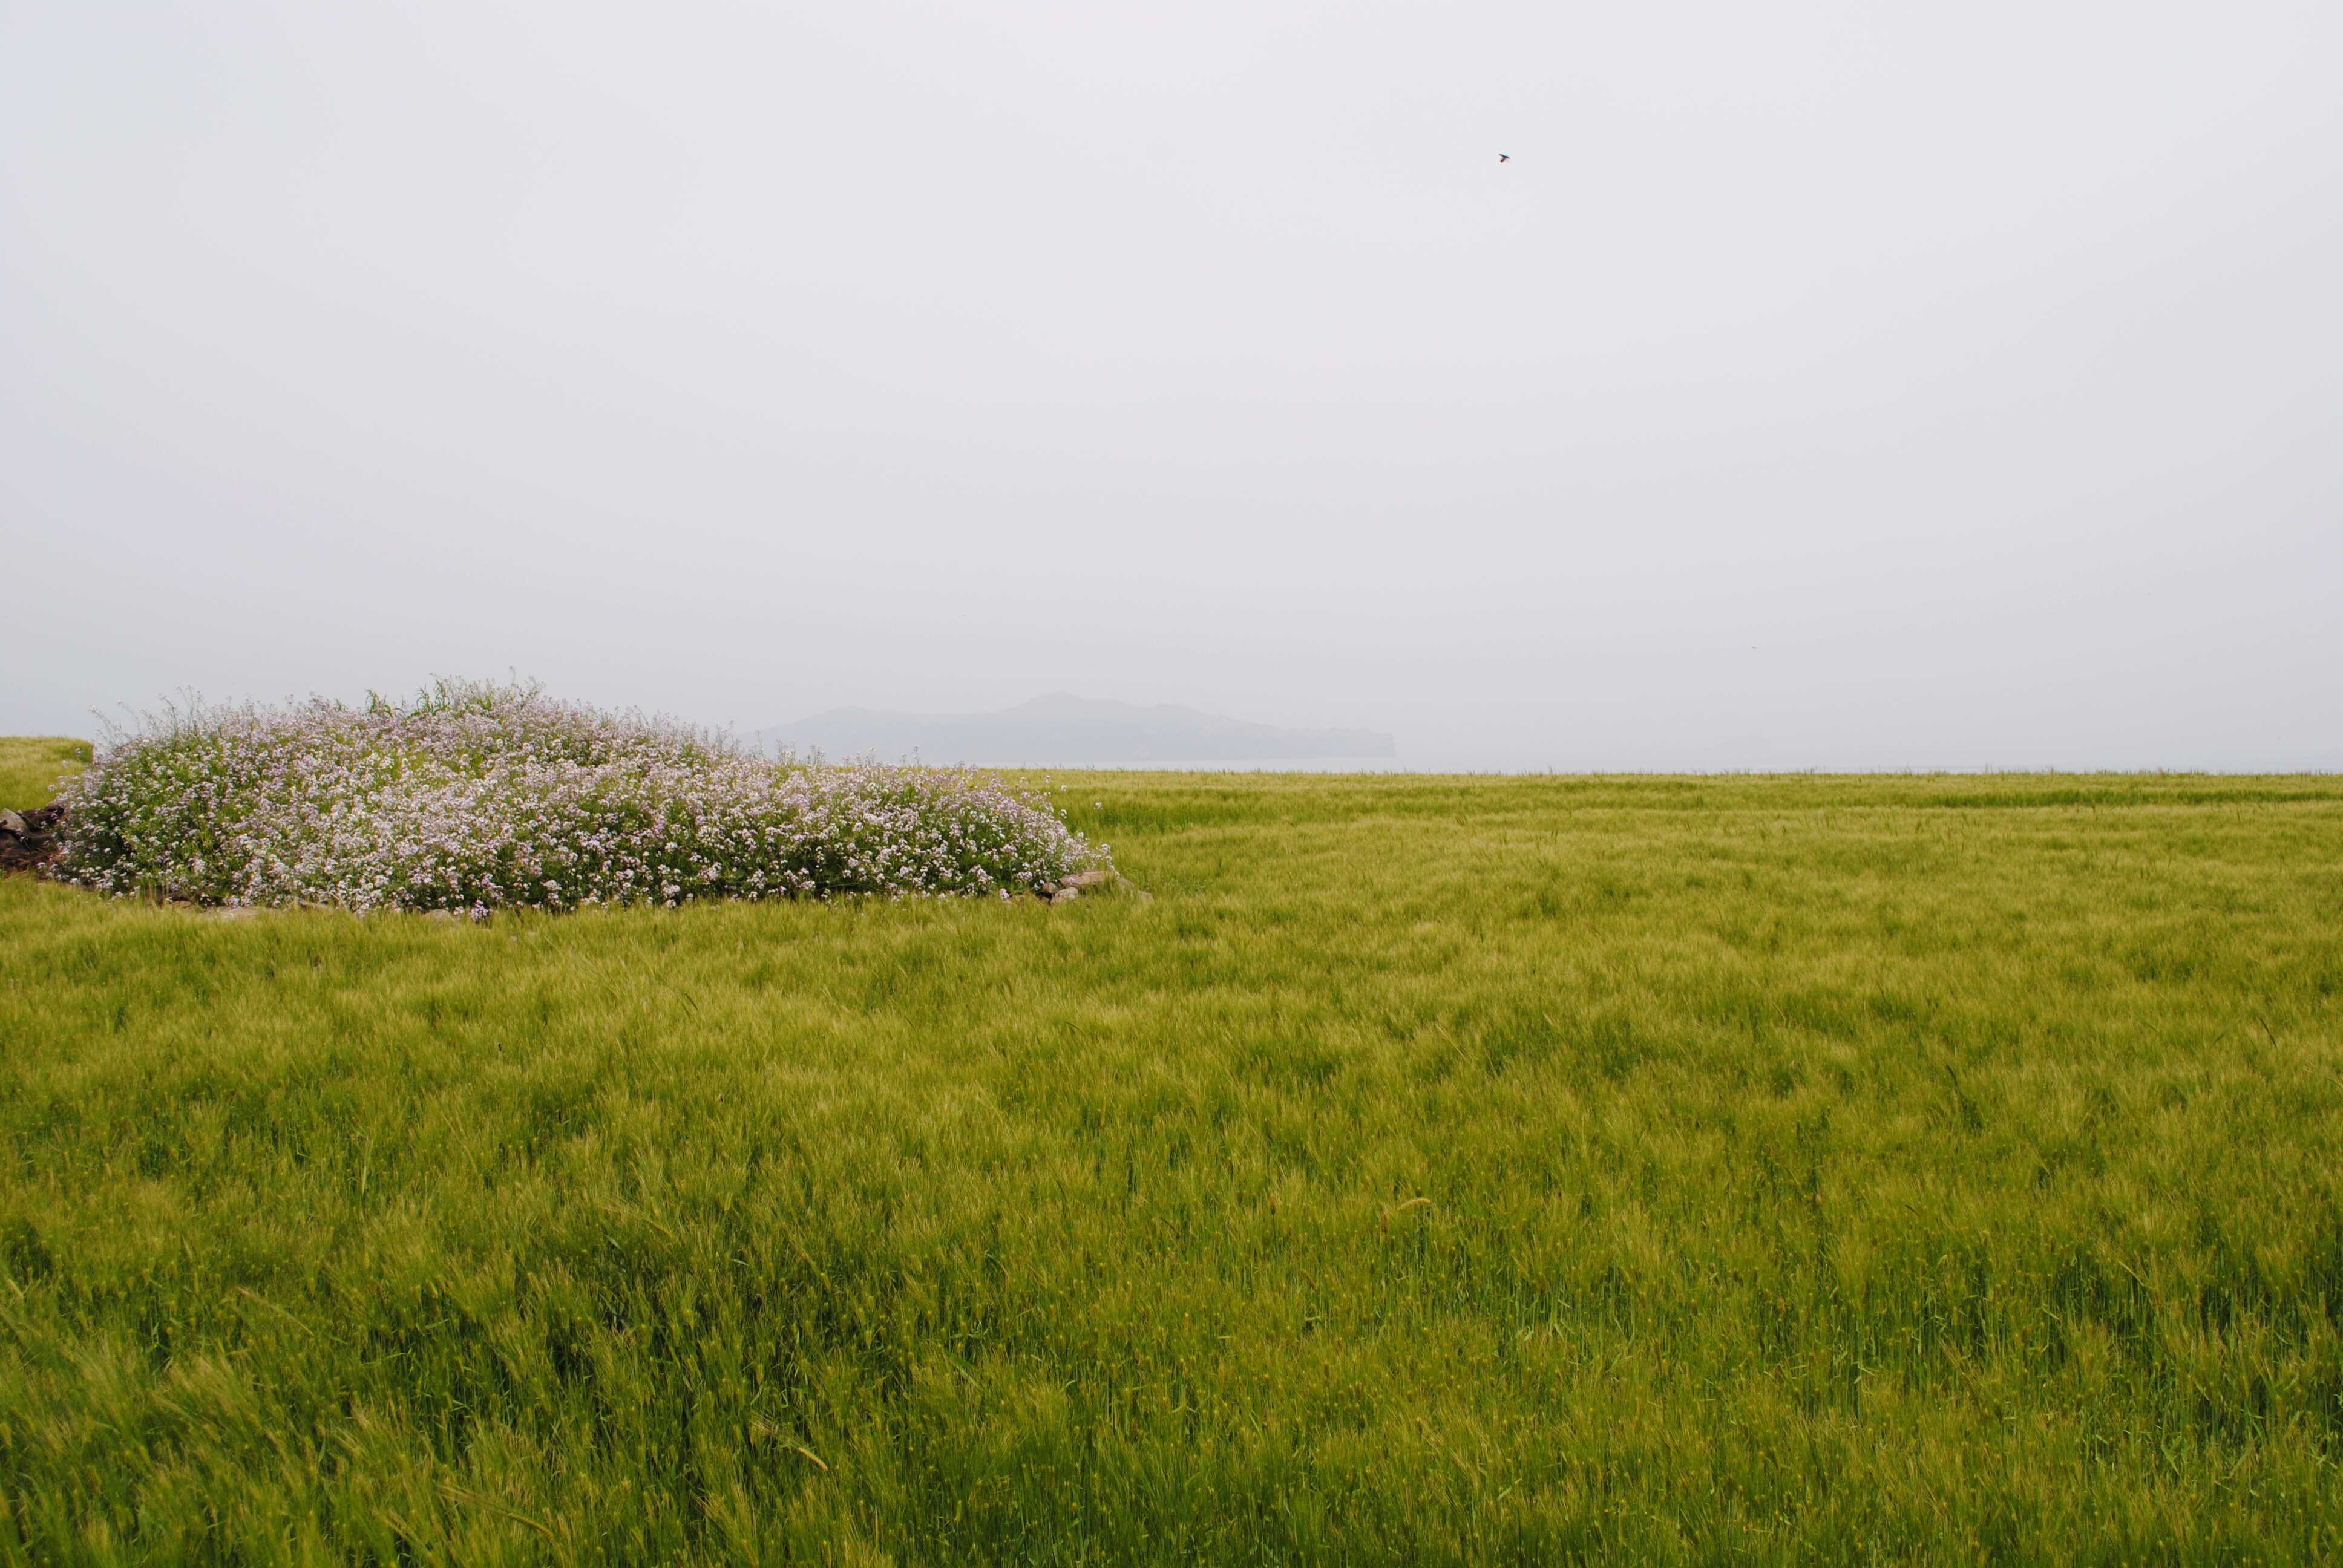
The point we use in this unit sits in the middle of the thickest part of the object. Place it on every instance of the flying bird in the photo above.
(1505, 158)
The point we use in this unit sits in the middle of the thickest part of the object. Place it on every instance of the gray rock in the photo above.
(11, 822)
(1090, 878)
(1065, 895)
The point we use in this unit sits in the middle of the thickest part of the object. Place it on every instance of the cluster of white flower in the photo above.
(480, 796)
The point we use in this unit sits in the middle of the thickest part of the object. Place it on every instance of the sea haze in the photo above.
(1814, 385)
(1061, 730)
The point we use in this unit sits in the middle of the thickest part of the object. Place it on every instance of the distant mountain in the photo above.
(1063, 730)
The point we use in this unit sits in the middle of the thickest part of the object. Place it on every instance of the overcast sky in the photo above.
(1837, 386)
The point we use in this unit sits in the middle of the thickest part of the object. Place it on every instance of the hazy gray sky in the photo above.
(1818, 385)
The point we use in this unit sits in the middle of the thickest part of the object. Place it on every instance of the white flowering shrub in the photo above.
(480, 796)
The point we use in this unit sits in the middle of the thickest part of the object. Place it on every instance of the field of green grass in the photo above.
(1670, 1170)
(30, 768)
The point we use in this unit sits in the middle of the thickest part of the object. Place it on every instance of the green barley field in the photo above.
(1431, 1171)
(30, 768)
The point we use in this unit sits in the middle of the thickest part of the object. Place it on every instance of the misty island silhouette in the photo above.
(1063, 729)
